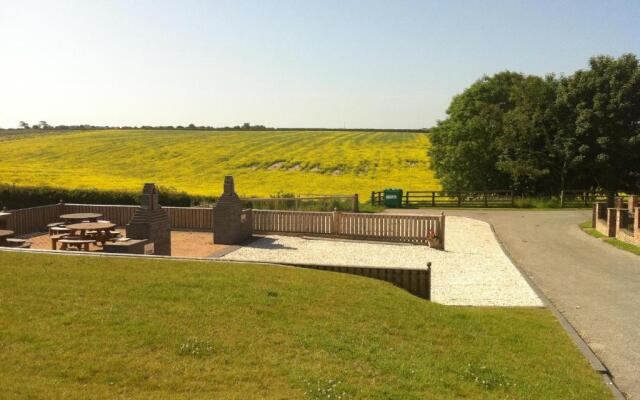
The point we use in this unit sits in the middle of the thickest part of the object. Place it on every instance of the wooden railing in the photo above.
(430, 198)
(385, 227)
(306, 203)
(33, 219)
(310, 222)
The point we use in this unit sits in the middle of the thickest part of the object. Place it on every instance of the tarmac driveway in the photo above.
(594, 285)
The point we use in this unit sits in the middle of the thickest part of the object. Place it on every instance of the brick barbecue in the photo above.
(151, 222)
(231, 223)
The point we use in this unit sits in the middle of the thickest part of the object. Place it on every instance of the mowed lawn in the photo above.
(262, 162)
(88, 327)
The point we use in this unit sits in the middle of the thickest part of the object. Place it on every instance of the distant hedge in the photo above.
(14, 197)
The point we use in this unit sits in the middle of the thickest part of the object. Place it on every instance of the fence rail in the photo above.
(388, 227)
(310, 203)
(33, 219)
(431, 198)
(580, 198)
(486, 199)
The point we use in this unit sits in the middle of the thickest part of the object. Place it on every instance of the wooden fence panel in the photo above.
(387, 227)
(118, 214)
(33, 219)
(196, 218)
(415, 281)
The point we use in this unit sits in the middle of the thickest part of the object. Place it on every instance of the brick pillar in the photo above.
(611, 222)
(636, 224)
(618, 202)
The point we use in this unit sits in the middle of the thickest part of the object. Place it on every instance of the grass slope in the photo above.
(263, 163)
(86, 327)
(587, 228)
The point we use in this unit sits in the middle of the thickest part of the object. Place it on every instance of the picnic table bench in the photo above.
(4, 235)
(100, 231)
(79, 243)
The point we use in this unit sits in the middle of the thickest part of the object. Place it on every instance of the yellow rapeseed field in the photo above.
(263, 162)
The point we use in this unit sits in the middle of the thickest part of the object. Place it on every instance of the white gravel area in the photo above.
(472, 271)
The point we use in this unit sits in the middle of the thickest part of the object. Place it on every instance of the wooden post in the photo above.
(60, 207)
(459, 199)
(406, 199)
(373, 198)
(486, 203)
(433, 199)
(512, 200)
(441, 228)
(355, 203)
(562, 198)
(335, 222)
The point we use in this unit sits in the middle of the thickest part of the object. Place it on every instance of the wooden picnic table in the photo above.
(103, 229)
(79, 217)
(4, 234)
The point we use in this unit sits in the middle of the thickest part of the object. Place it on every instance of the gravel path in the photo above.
(473, 270)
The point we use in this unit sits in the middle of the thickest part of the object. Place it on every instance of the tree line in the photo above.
(542, 135)
(46, 126)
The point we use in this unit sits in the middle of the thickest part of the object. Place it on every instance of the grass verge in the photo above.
(89, 327)
(587, 228)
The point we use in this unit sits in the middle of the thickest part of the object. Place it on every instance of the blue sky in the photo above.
(354, 64)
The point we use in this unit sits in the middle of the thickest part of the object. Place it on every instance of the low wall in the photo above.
(620, 222)
(415, 281)
(382, 227)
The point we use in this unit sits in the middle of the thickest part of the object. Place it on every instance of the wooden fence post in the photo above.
(512, 200)
(459, 199)
(441, 228)
(60, 207)
(406, 199)
(355, 203)
(486, 203)
(373, 198)
(562, 198)
(335, 222)
(433, 199)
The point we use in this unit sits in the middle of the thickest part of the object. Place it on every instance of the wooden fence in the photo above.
(580, 198)
(415, 281)
(430, 198)
(385, 227)
(33, 219)
(310, 203)
(487, 199)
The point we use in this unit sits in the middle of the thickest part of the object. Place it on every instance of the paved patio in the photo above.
(472, 271)
(183, 243)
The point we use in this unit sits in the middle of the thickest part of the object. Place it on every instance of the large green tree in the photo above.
(598, 111)
(495, 134)
(544, 135)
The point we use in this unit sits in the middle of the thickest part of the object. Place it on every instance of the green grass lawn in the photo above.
(88, 327)
(586, 227)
